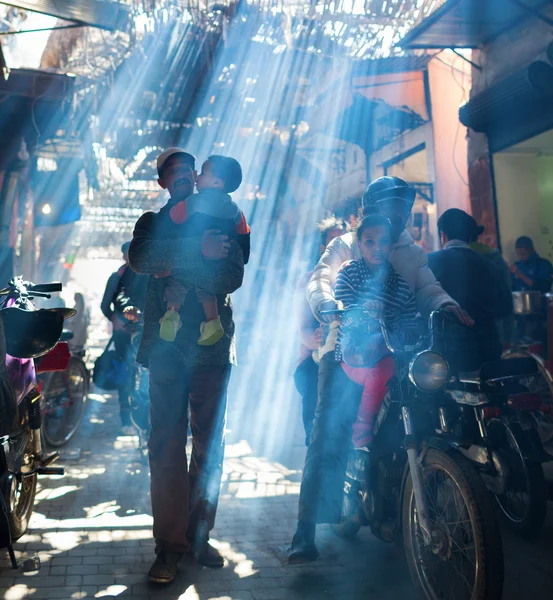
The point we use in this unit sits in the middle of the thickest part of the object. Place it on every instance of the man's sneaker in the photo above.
(208, 556)
(127, 430)
(303, 548)
(164, 569)
(170, 323)
(211, 332)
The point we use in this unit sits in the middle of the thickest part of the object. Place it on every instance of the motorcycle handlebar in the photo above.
(45, 288)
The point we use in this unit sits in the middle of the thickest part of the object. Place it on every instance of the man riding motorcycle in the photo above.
(323, 476)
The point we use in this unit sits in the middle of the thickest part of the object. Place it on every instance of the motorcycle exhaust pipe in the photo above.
(50, 471)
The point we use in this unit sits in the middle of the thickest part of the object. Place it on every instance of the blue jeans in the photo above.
(322, 486)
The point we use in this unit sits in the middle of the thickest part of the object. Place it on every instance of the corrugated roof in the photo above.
(468, 23)
(391, 64)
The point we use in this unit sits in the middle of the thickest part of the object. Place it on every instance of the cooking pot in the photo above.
(527, 303)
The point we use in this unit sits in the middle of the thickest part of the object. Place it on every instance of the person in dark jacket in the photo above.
(477, 285)
(185, 378)
(124, 291)
(505, 324)
(531, 271)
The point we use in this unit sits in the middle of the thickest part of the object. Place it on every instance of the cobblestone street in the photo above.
(91, 530)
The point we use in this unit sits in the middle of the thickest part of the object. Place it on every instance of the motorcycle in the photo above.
(26, 335)
(495, 422)
(415, 486)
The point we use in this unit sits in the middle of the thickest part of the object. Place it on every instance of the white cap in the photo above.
(164, 156)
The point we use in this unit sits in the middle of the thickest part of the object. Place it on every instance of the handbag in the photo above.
(110, 371)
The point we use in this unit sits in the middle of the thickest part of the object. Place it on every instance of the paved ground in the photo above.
(91, 530)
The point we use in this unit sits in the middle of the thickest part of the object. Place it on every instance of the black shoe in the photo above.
(303, 548)
(208, 556)
(302, 553)
(164, 569)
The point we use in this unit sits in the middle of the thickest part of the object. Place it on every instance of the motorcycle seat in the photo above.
(512, 368)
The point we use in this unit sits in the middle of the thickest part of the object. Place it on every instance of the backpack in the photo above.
(110, 371)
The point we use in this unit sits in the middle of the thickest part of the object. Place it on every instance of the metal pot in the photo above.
(527, 303)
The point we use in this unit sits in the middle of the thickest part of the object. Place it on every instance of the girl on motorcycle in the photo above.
(372, 282)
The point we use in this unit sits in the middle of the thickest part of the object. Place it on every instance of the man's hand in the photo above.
(515, 270)
(215, 246)
(132, 314)
(319, 336)
(328, 305)
(462, 315)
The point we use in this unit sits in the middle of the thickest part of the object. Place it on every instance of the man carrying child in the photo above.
(183, 246)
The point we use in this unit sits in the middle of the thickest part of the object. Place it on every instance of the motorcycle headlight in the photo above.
(429, 371)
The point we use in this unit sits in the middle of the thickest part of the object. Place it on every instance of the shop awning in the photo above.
(514, 108)
(470, 23)
(94, 13)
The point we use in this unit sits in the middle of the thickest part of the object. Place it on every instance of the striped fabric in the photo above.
(355, 285)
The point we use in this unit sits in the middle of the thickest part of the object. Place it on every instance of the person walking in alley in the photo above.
(185, 378)
(124, 289)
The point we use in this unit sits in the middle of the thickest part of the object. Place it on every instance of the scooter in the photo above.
(28, 342)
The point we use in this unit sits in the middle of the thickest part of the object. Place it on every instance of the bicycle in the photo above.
(64, 396)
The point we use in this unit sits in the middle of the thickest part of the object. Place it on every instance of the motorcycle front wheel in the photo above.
(464, 559)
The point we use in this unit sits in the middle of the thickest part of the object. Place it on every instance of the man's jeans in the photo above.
(322, 486)
(184, 502)
(122, 342)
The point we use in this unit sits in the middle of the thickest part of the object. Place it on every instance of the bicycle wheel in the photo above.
(541, 383)
(64, 397)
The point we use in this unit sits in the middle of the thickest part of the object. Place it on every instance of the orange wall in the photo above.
(449, 89)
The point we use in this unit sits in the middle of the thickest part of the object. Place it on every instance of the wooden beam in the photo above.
(95, 13)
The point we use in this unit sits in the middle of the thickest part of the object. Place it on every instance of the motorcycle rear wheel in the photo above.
(524, 504)
(464, 560)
